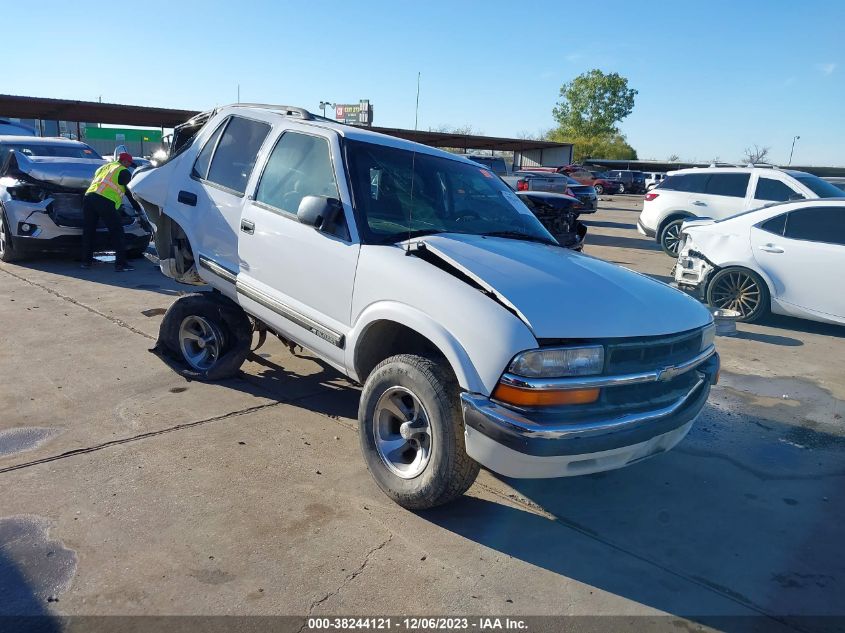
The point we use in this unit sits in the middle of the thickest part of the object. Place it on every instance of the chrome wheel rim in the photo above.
(672, 238)
(402, 433)
(599, 189)
(736, 291)
(200, 342)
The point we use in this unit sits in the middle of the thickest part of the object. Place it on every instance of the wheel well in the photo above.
(676, 215)
(384, 339)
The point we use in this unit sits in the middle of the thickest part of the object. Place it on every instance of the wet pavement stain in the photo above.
(34, 570)
(22, 439)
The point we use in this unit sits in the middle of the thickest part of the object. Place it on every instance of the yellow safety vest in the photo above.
(106, 184)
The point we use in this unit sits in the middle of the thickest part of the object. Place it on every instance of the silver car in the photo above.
(42, 182)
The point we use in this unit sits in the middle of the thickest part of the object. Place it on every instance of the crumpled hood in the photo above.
(562, 294)
(73, 173)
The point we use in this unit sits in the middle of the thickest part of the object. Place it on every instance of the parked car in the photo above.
(785, 258)
(594, 179)
(537, 181)
(587, 195)
(631, 181)
(496, 164)
(559, 214)
(10, 128)
(718, 193)
(422, 276)
(42, 181)
(837, 182)
(653, 178)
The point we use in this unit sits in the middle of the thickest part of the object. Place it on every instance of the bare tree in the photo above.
(673, 158)
(756, 154)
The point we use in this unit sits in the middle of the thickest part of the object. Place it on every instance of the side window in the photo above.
(203, 160)
(775, 225)
(300, 165)
(817, 224)
(733, 185)
(774, 190)
(690, 183)
(236, 151)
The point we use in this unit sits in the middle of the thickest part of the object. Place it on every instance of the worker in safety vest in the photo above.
(101, 203)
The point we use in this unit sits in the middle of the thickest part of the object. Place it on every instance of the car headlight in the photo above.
(27, 193)
(708, 336)
(559, 362)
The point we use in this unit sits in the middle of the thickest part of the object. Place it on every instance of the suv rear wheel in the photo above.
(599, 189)
(670, 237)
(411, 432)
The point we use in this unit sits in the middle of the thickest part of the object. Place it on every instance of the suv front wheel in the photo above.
(411, 432)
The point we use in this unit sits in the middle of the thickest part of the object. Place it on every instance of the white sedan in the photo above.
(788, 258)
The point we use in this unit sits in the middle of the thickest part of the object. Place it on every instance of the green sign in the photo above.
(122, 134)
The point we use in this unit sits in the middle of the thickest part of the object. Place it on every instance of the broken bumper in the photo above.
(528, 445)
(691, 274)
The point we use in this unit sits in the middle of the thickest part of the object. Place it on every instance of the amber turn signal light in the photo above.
(534, 398)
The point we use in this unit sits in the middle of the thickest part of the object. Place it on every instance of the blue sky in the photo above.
(713, 77)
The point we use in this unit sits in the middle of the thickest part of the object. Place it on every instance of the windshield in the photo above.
(822, 188)
(398, 193)
(52, 150)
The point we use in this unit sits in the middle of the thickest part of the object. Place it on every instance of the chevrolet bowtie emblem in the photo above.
(667, 373)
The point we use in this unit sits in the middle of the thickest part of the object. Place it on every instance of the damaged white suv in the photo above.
(419, 274)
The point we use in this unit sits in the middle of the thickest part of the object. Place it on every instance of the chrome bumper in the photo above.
(537, 434)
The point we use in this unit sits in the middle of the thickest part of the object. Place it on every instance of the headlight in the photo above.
(708, 336)
(559, 362)
(27, 193)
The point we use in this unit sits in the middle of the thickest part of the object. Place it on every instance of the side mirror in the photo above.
(318, 211)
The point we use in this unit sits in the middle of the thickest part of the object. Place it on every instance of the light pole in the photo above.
(324, 105)
(794, 138)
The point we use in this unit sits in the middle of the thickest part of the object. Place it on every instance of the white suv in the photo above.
(718, 193)
(421, 275)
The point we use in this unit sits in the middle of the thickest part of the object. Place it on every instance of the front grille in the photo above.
(651, 353)
(66, 210)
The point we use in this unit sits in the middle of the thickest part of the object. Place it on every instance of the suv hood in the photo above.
(73, 173)
(562, 294)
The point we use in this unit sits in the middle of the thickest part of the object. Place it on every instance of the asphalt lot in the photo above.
(126, 490)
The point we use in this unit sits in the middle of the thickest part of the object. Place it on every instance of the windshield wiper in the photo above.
(516, 235)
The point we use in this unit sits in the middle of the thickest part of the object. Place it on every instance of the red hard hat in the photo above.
(125, 156)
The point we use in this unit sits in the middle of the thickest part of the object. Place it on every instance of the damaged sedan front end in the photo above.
(42, 184)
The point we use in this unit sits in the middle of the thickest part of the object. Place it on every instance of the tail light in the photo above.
(651, 196)
(522, 185)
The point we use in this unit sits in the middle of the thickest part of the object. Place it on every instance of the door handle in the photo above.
(248, 226)
(771, 248)
(186, 197)
(699, 203)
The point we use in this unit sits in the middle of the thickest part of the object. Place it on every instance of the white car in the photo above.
(653, 178)
(787, 258)
(419, 274)
(718, 193)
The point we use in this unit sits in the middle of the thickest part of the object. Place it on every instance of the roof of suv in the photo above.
(41, 140)
(348, 131)
(739, 169)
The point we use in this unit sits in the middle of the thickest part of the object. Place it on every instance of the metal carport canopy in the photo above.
(119, 114)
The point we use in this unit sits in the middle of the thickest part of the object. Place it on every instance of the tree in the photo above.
(593, 103)
(756, 154)
(673, 158)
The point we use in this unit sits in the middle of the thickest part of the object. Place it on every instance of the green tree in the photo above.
(590, 107)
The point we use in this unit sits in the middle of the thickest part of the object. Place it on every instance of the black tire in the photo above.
(7, 246)
(448, 471)
(670, 237)
(227, 322)
(742, 290)
(599, 189)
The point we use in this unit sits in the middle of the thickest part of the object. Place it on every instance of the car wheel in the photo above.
(7, 252)
(207, 334)
(621, 188)
(741, 290)
(599, 189)
(670, 237)
(411, 432)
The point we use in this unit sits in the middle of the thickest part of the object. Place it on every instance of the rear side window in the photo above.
(733, 185)
(235, 154)
(817, 224)
(203, 160)
(775, 225)
(299, 166)
(774, 190)
(690, 183)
